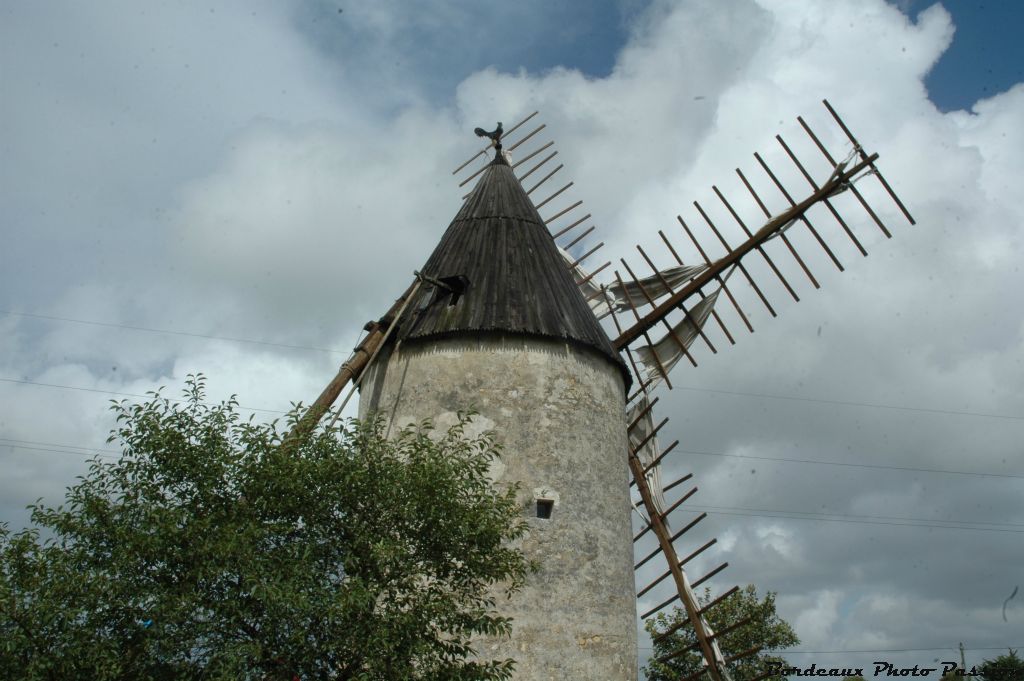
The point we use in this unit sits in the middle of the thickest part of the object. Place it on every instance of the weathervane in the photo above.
(495, 135)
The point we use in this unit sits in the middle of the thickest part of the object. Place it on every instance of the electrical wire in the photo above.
(33, 445)
(740, 393)
(23, 381)
(930, 524)
(170, 332)
(851, 465)
(848, 403)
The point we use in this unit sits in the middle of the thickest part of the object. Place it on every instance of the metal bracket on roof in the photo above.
(434, 281)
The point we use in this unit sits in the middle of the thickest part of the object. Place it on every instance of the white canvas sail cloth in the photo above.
(604, 300)
(667, 351)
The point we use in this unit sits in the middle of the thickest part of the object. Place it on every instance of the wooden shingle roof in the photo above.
(508, 274)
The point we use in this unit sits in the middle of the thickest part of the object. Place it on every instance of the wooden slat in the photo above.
(566, 229)
(828, 204)
(709, 575)
(769, 229)
(677, 482)
(863, 155)
(562, 212)
(718, 277)
(666, 513)
(803, 218)
(714, 312)
(782, 233)
(718, 600)
(536, 151)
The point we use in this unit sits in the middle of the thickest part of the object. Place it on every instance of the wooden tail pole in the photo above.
(664, 542)
(353, 367)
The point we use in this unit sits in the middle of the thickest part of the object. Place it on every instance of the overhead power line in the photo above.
(937, 524)
(33, 445)
(847, 403)
(850, 465)
(722, 454)
(740, 393)
(93, 452)
(860, 516)
(43, 446)
(169, 332)
(114, 392)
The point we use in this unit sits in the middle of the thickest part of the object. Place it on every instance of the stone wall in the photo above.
(557, 410)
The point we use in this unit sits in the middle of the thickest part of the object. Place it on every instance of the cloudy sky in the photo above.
(235, 188)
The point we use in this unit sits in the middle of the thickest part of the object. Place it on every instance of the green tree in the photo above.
(1007, 667)
(674, 658)
(208, 551)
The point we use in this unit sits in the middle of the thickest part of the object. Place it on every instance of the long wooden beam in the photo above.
(716, 268)
(665, 544)
(350, 370)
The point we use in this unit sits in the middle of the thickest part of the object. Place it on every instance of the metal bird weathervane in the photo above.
(504, 318)
(494, 135)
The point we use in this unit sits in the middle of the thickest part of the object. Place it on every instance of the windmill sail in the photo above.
(605, 299)
(667, 352)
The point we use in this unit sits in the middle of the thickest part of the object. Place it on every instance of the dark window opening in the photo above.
(544, 508)
(457, 286)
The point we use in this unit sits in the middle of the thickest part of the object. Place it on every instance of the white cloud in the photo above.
(817, 618)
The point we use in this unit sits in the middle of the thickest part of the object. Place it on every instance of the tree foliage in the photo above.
(208, 551)
(1008, 667)
(766, 629)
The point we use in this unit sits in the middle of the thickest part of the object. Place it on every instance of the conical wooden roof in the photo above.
(499, 252)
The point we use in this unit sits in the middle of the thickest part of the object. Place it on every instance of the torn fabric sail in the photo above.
(666, 352)
(648, 452)
(604, 300)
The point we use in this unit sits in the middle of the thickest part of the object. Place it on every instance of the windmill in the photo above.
(504, 318)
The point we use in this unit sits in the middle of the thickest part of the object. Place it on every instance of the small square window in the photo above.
(544, 508)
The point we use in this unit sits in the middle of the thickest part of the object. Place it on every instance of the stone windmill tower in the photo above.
(503, 320)
(504, 329)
